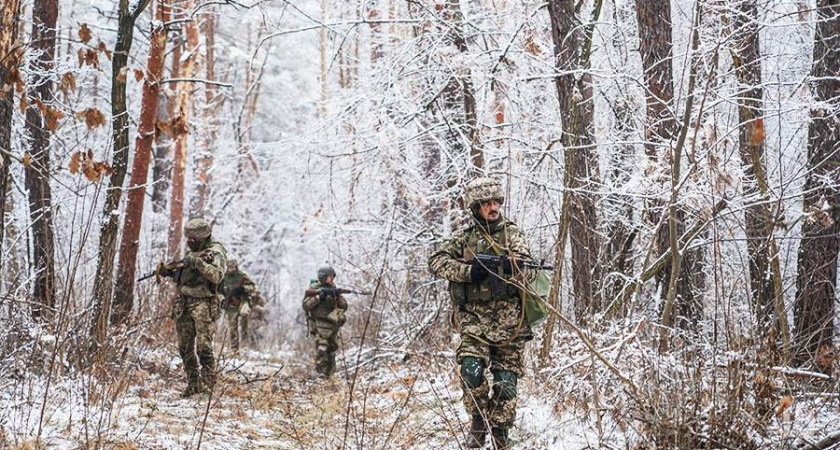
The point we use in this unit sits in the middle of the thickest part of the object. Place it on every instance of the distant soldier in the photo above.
(197, 305)
(488, 311)
(325, 308)
(240, 298)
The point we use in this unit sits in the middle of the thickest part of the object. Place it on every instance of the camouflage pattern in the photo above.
(322, 328)
(197, 307)
(482, 190)
(490, 320)
(238, 289)
(198, 228)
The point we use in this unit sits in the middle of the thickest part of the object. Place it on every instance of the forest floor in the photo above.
(388, 400)
(379, 399)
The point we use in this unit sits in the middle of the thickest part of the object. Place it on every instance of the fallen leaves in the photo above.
(83, 162)
(68, 83)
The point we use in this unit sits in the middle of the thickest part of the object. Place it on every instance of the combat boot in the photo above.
(501, 441)
(478, 432)
(193, 387)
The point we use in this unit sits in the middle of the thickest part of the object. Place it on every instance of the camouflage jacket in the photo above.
(487, 311)
(202, 280)
(237, 287)
(319, 309)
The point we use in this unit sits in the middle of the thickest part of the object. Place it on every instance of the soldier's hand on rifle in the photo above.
(191, 259)
(478, 272)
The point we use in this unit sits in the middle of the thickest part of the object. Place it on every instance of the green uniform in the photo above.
(488, 317)
(238, 290)
(324, 317)
(197, 307)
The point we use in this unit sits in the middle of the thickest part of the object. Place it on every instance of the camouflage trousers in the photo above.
(498, 408)
(234, 322)
(195, 335)
(326, 344)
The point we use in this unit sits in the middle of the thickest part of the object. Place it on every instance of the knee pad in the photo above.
(504, 384)
(472, 371)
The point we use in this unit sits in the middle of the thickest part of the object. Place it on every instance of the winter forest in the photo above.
(676, 161)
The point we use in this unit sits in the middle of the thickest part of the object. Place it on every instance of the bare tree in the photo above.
(816, 281)
(765, 273)
(126, 270)
(10, 54)
(103, 286)
(41, 119)
(572, 48)
(656, 47)
(198, 205)
(181, 129)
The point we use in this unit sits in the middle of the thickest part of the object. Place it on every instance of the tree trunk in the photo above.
(180, 129)
(103, 283)
(572, 45)
(37, 173)
(9, 63)
(205, 160)
(126, 271)
(656, 48)
(162, 171)
(765, 273)
(816, 280)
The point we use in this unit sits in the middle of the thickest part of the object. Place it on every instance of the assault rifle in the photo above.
(163, 268)
(333, 291)
(492, 263)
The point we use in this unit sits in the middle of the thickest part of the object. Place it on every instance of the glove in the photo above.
(507, 266)
(478, 273)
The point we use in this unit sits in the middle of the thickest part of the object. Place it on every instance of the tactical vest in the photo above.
(325, 306)
(193, 284)
(477, 244)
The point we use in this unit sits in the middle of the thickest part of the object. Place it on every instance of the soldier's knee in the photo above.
(504, 384)
(472, 371)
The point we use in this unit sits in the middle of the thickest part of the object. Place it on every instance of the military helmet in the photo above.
(198, 229)
(324, 272)
(481, 190)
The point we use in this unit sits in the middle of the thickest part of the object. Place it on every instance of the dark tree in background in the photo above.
(816, 281)
(41, 119)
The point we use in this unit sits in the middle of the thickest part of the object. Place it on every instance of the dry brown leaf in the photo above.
(757, 132)
(162, 128)
(52, 117)
(784, 403)
(93, 117)
(104, 48)
(26, 160)
(89, 57)
(122, 75)
(68, 83)
(179, 126)
(74, 163)
(531, 46)
(84, 33)
(24, 103)
(138, 75)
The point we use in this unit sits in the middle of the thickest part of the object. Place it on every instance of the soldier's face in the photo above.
(194, 243)
(231, 268)
(329, 279)
(489, 210)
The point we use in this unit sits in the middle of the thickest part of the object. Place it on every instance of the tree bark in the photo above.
(37, 172)
(656, 48)
(162, 171)
(181, 131)
(9, 63)
(572, 46)
(126, 270)
(103, 286)
(205, 160)
(816, 280)
(765, 272)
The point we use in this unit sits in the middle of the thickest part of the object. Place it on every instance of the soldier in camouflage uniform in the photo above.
(240, 297)
(197, 306)
(325, 314)
(487, 311)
